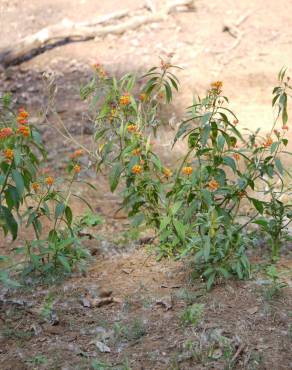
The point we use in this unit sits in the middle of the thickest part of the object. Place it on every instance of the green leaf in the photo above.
(69, 215)
(258, 205)
(9, 221)
(207, 248)
(60, 207)
(279, 166)
(210, 280)
(115, 175)
(18, 180)
(207, 196)
(180, 229)
(230, 162)
(64, 262)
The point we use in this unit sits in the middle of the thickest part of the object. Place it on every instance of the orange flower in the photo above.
(22, 116)
(132, 128)
(23, 130)
(143, 97)
(268, 142)
(213, 185)
(137, 170)
(125, 99)
(5, 132)
(285, 127)
(77, 153)
(161, 95)
(187, 170)
(236, 156)
(136, 152)
(99, 69)
(50, 180)
(241, 194)
(35, 186)
(77, 168)
(217, 85)
(167, 173)
(9, 154)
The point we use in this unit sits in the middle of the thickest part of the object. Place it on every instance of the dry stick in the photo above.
(67, 31)
(238, 353)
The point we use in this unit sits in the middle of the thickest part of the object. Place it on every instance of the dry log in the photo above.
(68, 31)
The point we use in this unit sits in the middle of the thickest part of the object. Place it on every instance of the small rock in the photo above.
(165, 302)
(252, 310)
(85, 302)
(102, 347)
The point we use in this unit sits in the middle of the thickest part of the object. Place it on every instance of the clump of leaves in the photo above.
(29, 196)
(274, 288)
(193, 314)
(195, 209)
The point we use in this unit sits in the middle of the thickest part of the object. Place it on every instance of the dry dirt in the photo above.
(240, 327)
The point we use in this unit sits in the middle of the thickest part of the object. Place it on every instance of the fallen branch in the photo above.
(68, 31)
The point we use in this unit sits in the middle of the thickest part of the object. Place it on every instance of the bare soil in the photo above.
(241, 326)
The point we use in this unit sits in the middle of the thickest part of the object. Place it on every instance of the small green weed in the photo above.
(192, 315)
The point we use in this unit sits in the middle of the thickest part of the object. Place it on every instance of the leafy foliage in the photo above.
(195, 209)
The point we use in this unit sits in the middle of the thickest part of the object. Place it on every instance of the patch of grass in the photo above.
(274, 288)
(37, 360)
(188, 296)
(100, 365)
(192, 315)
(133, 331)
(11, 333)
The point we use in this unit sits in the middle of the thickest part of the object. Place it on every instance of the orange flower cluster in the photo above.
(213, 185)
(137, 170)
(35, 186)
(77, 153)
(236, 156)
(50, 180)
(125, 99)
(99, 69)
(77, 168)
(23, 130)
(132, 128)
(164, 65)
(9, 154)
(22, 116)
(187, 170)
(143, 97)
(167, 173)
(136, 152)
(161, 95)
(217, 85)
(268, 142)
(5, 132)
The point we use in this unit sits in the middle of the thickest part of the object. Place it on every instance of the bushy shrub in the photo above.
(29, 195)
(194, 208)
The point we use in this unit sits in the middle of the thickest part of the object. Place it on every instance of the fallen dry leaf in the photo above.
(165, 302)
(252, 310)
(102, 347)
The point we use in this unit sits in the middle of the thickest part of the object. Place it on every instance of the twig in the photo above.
(68, 31)
(237, 353)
